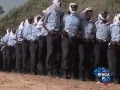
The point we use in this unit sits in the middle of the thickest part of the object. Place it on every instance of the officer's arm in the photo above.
(80, 30)
(44, 21)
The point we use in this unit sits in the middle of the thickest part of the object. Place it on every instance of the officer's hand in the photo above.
(79, 35)
(24, 38)
(51, 32)
(93, 37)
(65, 33)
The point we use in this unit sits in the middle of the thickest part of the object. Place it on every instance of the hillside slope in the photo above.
(32, 7)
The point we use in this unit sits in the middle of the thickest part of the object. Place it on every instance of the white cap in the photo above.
(73, 4)
(88, 9)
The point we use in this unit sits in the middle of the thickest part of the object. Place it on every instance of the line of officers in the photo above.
(61, 45)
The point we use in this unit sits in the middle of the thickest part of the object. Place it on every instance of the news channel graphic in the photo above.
(103, 74)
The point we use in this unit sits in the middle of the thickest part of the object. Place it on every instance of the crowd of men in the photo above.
(63, 45)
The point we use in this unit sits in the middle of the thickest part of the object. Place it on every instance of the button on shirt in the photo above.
(88, 28)
(102, 31)
(53, 20)
(115, 32)
(71, 24)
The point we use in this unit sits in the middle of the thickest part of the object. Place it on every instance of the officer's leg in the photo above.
(103, 55)
(34, 56)
(76, 58)
(18, 48)
(1, 60)
(50, 55)
(97, 55)
(57, 55)
(118, 64)
(112, 61)
(88, 60)
(13, 59)
(4, 59)
(25, 55)
(91, 63)
(42, 56)
(66, 57)
(9, 58)
(81, 61)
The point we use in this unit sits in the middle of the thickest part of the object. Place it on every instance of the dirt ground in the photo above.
(13, 81)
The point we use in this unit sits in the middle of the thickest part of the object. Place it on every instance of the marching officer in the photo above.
(42, 48)
(86, 44)
(71, 29)
(114, 49)
(52, 22)
(10, 50)
(18, 47)
(4, 38)
(33, 38)
(25, 45)
(102, 39)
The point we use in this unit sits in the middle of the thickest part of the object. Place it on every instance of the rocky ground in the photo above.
(13, 81)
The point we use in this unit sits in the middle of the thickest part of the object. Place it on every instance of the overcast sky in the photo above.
(9, 4)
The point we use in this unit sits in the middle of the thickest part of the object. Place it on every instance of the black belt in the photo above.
(101, 41)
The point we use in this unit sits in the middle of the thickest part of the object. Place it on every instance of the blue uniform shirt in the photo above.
(88, 28)
(115, 32)
(11, 41)
(19, 34)
(102, 31)
(28, 32)
(71, 24)
(53, 20)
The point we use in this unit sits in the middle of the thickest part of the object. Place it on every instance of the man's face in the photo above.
(89, 13)
(104, 15)
(60, 4)
(14, 31)
(38, 18)
(30, 20)
(23, 23)
(74, 7)
(119, 18)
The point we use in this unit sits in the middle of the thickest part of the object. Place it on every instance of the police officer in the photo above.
(4, 38)
(86, 44)
(42, 48)
(69, 38)
(52, 22)
(102, 39)
(18, 47)
(10, 50)
(25, 45)
(114, 49)
(33, 38)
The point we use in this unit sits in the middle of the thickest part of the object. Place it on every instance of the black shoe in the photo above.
(68, 76)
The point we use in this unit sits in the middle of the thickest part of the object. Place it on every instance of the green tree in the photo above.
(1, 10)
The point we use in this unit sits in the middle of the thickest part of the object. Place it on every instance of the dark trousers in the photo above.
(42, 55)
(68, 49)
(33, 56)
(25, 56)
(19, 59)
(114, 61)
(1, 60)
(86, 59)
(4, 57)
(10, 61)
(69, 60)
(101, 52)
(53, 60)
